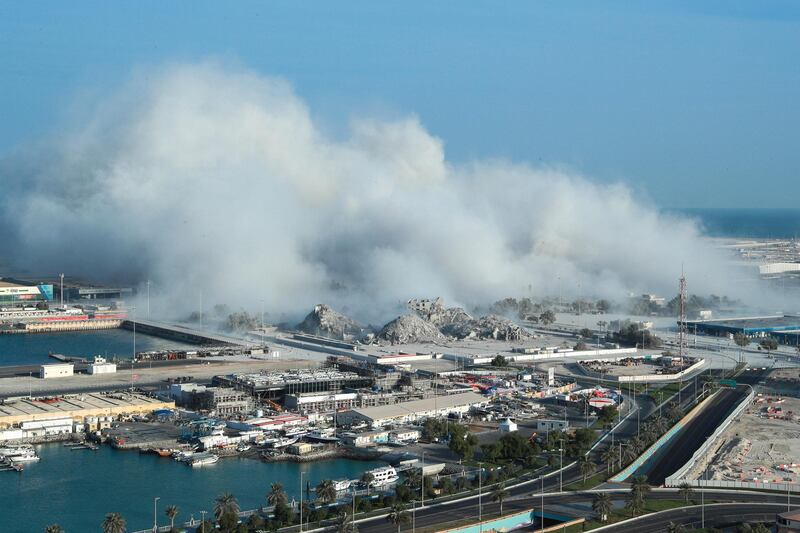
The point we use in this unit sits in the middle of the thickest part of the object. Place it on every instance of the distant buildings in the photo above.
(402, 413)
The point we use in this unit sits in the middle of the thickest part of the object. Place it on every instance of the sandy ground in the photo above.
(143, 376)
(763, 444)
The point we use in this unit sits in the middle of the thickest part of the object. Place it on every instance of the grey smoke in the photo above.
(214, 178)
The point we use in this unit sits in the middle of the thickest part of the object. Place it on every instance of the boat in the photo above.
(163, 452)
(281, 443)
(203, 459)
(323, 435)
(242, 447)
(341, 484)
(383, 476)
(295, 431)
(11, 450)
(184, 456)
(26, 455)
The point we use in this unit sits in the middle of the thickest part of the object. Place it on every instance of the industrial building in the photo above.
(785, 328)
(101, 366)
(407, 412)
(276, 385)
(222, 401)
(313, 402)
(78, 407)
(15, 294)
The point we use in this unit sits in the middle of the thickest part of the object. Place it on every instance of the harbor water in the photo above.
(76, 488)
(33, 348)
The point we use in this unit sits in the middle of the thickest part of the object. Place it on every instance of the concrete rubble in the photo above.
(326, 322)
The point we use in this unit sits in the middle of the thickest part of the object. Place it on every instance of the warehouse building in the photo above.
(78, 407)
(407, 412)
(785, 328)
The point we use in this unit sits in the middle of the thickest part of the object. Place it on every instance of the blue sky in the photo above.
(692, 103)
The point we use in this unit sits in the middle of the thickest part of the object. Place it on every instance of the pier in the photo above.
(182, 333)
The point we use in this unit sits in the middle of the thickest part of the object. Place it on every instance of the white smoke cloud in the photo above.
(207, 177)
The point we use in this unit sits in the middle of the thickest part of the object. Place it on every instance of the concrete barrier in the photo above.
(676, 479)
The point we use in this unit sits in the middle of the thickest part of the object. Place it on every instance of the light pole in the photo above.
(541, 478)
(301, 501)
(480, 487)
(413, 516)
(30, 385)
(155, 514)
(62, 290)
(203, 522)
(148, 298)
(561, 465)
(422, 482)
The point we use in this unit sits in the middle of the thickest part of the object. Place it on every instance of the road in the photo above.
(682, 446)
(715, 513)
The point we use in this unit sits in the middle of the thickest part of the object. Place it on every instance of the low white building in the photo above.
(41, 428)
(56, 370)
(101, 366)
(408, 412)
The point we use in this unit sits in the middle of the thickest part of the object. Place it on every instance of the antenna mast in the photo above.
(683, 337)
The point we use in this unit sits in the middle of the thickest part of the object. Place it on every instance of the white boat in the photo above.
(184, 456)
(202, 459)
(383, 476)
(280, 443)
(341, 484)
(323, 435)
(11, 450)
(27, 455)
(242, 447)
(295, 431)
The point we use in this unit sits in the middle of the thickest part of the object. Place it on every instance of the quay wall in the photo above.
(69, 325)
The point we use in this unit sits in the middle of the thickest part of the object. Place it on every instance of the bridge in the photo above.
(183, 334)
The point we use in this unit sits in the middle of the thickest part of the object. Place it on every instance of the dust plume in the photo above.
(206, 178)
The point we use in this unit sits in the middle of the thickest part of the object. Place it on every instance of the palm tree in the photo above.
(686, 491)
(585, 467)
(367, 478)
(601, 504)
(397, 515)
(277, 494)
(675, 528)
(413, 479)
(225, 503)
(499, 494)
(53, 528)
(171, 511)
(344, 523)
(639, 490)
(634, 504)
(113, 523)
(326, 491)
(609, 457)
(674, 412)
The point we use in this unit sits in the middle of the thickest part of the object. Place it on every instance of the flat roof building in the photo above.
(406, 412)
(782, 326)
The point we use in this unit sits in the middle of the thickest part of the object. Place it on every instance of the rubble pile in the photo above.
(408, 329)
(487, 327)
(326, 322)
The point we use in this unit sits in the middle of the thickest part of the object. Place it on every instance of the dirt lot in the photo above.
(763, 445)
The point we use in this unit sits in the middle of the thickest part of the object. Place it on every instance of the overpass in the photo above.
(182, 333)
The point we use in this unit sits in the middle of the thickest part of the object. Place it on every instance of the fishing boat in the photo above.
(242, 447)
(341, 484)
(282, 443)
(25, 455)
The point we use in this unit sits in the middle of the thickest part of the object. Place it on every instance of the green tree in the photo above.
(769, 344)
(172, 512)
(344, 523)
(462, 442)
(282, 513)
(686, 491)
(113, 523)
(499, 361)
(609, 457)
(326, 491)
(53, 528)
(499, 494)
(741, 340)
(228, 521)
(398, 515)
(601, 504)
(640, 488)
(225, 502)
(367, 478)
(586, 333)
(585, 467)
(254, 522)
(276, 494)
(547, 317)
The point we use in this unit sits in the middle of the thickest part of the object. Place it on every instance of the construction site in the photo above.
(761, 446)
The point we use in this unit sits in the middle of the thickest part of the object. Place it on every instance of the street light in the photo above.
(480, 487)
(422, 481)
(413, 516)
(155, 514)
(561, 465)
(301, 501)
(203, 521)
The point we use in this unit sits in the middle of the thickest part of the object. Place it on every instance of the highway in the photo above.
(682, 446)
(716, 515)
